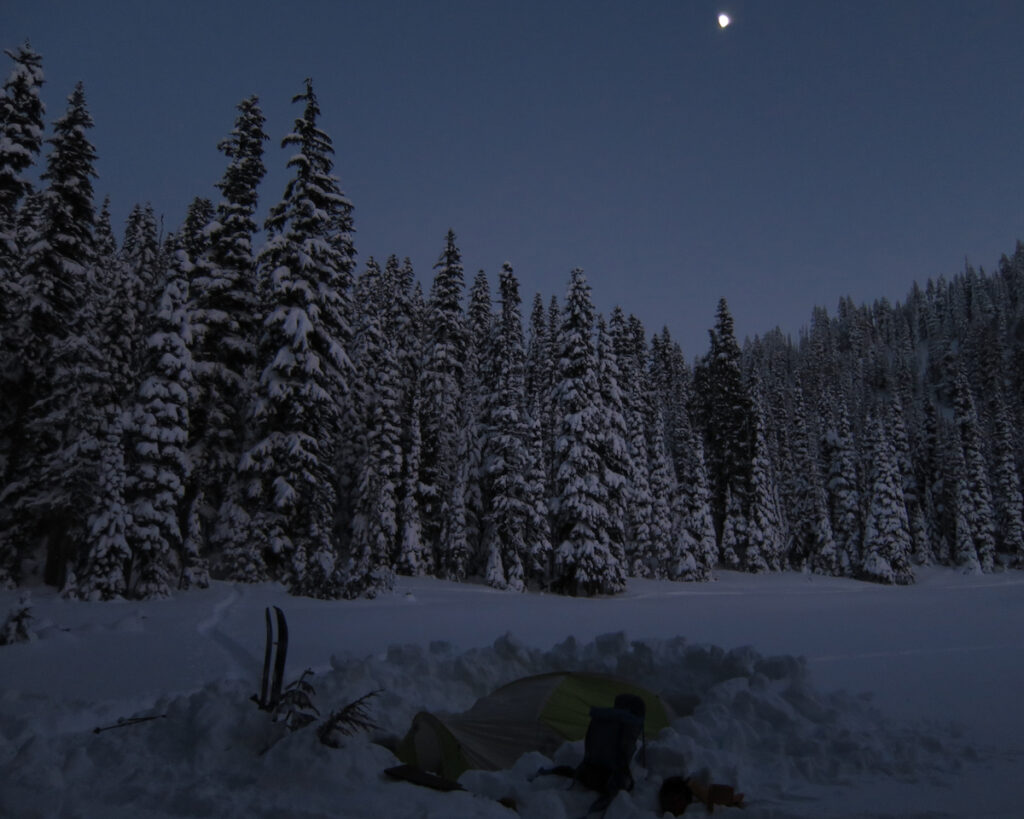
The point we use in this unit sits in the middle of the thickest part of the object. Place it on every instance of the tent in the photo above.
(531, 714)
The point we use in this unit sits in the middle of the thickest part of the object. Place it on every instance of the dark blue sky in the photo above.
(811, 150)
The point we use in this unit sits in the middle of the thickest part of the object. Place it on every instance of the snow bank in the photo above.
(753, 721)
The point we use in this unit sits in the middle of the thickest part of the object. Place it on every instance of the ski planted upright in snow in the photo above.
(274, 656)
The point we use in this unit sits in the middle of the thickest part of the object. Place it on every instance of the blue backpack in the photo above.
(610, 745)
(608, 749)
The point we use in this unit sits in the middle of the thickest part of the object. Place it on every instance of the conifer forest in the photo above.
(242, 400)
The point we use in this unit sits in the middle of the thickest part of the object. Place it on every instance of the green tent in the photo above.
(532, 714)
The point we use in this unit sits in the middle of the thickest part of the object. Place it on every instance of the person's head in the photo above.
(675, 796)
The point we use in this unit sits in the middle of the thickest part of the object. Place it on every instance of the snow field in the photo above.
(775, 725)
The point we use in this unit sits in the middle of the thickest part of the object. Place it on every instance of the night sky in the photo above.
(809, 151)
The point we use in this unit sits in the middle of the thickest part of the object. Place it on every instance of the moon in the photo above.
(723, 20)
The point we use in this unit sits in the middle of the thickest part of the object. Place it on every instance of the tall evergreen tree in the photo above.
(194, 235)
(478, 397)
(54, 473)
(309, 258)
(642, 541)
(539, 365)
(158, 433)
(887, 544)
(116, 317)
(21, 140)
(507, 455)
(226, 309)
(843, 495)
(374, 541)
(141, 252)
(616, 466)
(694, 550)
(585, 558)
(765, 543)
(725, 413)
(538, 526)
(814, 543)
(405, 303)
(974, 495)
(441, 383)
(1006, 485)
(734, 532)
(415, 558)
(104, 572)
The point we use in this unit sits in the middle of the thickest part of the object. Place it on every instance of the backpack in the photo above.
(610, 745)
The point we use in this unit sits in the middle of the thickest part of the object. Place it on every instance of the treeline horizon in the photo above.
(188, 407)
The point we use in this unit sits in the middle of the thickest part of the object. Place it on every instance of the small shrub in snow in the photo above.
(295, 708)
(347, 721)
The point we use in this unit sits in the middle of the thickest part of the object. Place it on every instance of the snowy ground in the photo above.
(906, 702)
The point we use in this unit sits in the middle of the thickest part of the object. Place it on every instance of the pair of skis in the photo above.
(274, 657)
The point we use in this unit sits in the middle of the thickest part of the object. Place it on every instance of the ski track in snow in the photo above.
(241, 658)
(219, 610)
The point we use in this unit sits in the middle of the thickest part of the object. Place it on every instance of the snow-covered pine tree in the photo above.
(195, 566)
(539, 366)
(351, 454)
(734, 531)
(140, 250)
(911, 492)
(403, 309)
(814, 546)
(641, 542)
(661, 423)
(974, 495)
(507, 456)
(1006, 485)
(456, 558)
(415, 558)
(21, 139)
(765, 544)
(887, 545)
(671, 381)
(550, 456)
(938, 507)
(194, 236)
(694, 548)
(227, 314)
(401, 303)
(115, 313)
(538, 526)
(843, 495)
(724, 412)
(964, 551)
(614, 449)
(663, 490)
(539, 372)
(158, 435)
(306, 373)
(585, 562)
(478, 396)
(54, 474)
(104, 571)
(369, 570)
(441, 383)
